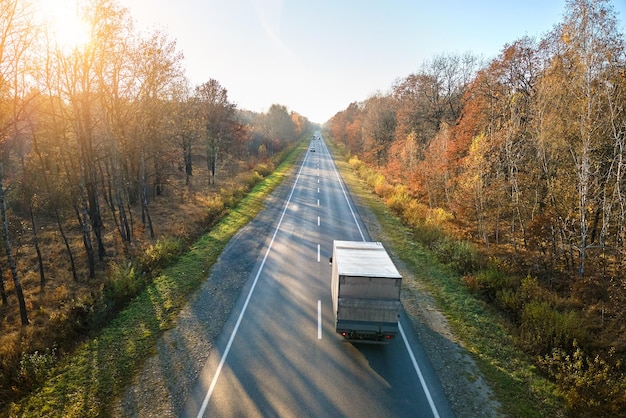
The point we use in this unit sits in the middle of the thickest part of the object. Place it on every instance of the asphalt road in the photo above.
(278, 355)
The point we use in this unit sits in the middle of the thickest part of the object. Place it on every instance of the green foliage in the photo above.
(397, 198)
(214, 208)
(253, 179)
(123, 283)
(543, 327)
(492, 282)
(458, 254)
(429, 235)
(35, 367)
(161, 254)
(591, 385)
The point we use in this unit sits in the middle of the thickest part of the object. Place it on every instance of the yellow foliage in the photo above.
(438, 216)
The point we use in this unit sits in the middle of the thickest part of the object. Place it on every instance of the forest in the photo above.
(111, 164)
(522, 160)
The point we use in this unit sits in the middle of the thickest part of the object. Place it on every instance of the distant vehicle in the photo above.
(365, 287)
(312, 149)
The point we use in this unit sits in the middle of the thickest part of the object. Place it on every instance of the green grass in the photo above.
(518, 387)
(87, 382)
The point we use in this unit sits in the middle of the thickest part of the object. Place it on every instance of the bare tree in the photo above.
(216, 114)
(379, 125)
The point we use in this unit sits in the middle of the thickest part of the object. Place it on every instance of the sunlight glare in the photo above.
(62, 18)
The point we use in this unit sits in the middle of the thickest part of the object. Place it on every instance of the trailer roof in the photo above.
(368, 259)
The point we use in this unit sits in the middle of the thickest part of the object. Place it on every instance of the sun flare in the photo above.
(64, 24)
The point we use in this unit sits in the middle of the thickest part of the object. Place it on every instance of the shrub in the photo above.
(491, 282)
(543, 327)
(398, 200)
(460, 255)
(415, 213)
(513, 296)
(253, 179)
(34, 367)
(355, 163)
(429, 235)
(438, 216)
(591, 385)
(161, 254)
(123, 283)
(264, 169)
(376, 181)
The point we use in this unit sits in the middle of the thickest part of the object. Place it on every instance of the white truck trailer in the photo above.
(365, 287)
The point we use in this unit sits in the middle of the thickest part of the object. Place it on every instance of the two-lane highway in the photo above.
(278, 354)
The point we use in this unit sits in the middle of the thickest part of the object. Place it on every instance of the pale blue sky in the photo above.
(316, 57)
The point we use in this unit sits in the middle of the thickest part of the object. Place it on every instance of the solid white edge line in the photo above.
(406, 342)
(419, 372)
(207, 398)
(319, 319)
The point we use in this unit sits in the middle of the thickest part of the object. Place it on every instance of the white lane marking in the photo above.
(345, 195)
(318, 221)
(205, 403)
(318, 189)
(319, 319)
(406, 342)
(318, 253)
(318, 202)
(419, 372)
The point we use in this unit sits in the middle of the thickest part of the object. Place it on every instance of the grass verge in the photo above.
(517, 385)
(85, 383)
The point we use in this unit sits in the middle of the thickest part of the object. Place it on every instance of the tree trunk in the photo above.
(42, 274)
(10, 259)
(145, 212)
(124, 226)
(188, 164)
(83, 221)
(3, 293)
(68, 249)
(56, 210)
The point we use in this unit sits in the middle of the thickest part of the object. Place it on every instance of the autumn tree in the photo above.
(216, 115)
(577, 131)
(16, 37)
(378, 128)
(345, 127)
(279, 128)
(433, 96)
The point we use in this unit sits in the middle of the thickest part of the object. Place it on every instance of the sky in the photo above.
(316, 57)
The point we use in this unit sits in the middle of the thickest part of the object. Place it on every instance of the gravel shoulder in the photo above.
(169, 375)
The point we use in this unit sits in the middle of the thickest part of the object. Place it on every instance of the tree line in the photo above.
(524, 155)
(90, 137)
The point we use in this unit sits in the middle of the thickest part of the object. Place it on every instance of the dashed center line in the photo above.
(319, 319)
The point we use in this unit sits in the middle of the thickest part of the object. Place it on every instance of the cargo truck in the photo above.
(365, 287)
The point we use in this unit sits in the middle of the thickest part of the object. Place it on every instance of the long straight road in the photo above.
(278, 355)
